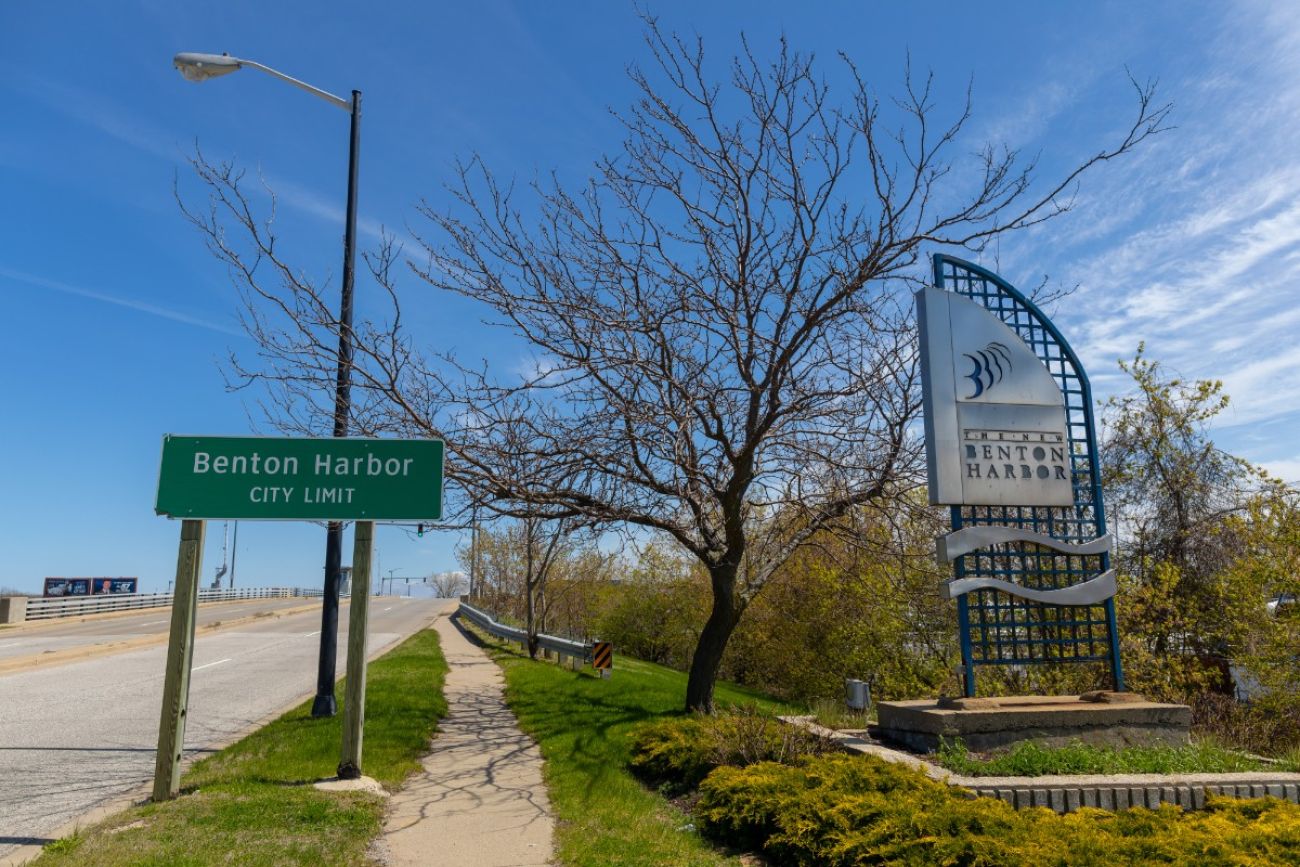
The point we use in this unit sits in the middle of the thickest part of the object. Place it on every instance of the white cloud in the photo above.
(1260, 387)
(535, 369)
(129, 303)
(1286, 469)
(111, 119)
(1193, 244)
(329, 209)
(1032, 117)
(104, 114)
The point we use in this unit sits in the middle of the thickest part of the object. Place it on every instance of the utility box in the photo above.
(857, 694)
(13, 609)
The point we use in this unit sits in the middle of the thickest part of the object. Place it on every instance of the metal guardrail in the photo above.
(562, 646)
(48, 609)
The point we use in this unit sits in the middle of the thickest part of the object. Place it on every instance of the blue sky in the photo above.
(118, 320)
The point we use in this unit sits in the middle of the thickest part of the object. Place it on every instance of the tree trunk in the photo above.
(530, 622)
(530, 587)
(713, 640)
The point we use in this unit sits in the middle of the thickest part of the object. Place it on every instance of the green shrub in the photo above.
(836, 811)
(794, 813)
(1269, 726)
(764, 786)
(676, 754)
(672, 753)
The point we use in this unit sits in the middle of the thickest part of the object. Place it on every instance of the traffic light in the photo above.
(419, 529)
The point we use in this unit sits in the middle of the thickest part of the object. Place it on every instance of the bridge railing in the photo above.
(563, 646)
(47, 609)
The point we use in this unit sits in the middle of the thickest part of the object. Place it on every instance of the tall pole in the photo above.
(234, 552)
(473, 551)
(325, 704)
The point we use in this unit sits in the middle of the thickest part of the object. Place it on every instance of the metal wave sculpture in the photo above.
(1090, 592)
(968, 539)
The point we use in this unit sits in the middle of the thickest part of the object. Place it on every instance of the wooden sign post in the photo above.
(180, 652)
(354, 700)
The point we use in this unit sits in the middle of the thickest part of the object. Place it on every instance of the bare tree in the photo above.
(447, 585)
(545, 544)
(724, 353)
(518, 559)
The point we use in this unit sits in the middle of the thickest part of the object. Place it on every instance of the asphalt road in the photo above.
(39, 636)
(76, 735)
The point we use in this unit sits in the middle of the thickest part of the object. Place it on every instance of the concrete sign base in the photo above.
(1104, 719)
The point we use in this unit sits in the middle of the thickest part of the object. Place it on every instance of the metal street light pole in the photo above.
(234, 552)
(200, 67)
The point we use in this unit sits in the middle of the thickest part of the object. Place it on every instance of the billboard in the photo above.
(63, 587)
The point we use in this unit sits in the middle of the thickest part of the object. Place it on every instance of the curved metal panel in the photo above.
(1089, 592)
(968, 539)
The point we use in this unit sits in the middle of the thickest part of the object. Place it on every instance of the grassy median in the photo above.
(604, 815)
(252, 803)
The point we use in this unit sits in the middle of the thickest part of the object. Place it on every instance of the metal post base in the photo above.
(324, 705)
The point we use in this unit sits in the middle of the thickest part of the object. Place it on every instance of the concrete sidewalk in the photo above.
(479, 800)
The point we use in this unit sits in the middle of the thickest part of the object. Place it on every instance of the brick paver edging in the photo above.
(1067, 793)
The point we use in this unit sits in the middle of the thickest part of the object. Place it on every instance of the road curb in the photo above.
(75, 654)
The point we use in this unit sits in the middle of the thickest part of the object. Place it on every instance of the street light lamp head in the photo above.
(201, 67)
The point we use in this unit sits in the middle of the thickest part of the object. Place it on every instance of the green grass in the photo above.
(605, 816)
(835, 714)
(252, 804)
(1029, 759)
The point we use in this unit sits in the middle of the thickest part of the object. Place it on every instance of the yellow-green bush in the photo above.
(672, 754)
(676, 754)
(835, 811)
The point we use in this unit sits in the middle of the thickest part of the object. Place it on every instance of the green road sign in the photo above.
(286, 479)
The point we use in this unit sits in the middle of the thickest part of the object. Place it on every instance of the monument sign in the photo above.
(1011, 447)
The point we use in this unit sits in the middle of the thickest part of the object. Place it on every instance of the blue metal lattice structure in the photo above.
(997, 628)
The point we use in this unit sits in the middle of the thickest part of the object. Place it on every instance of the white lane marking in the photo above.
(310, 634)
(153, 622)
(389, 608)
(210, 664)
(11, 644)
